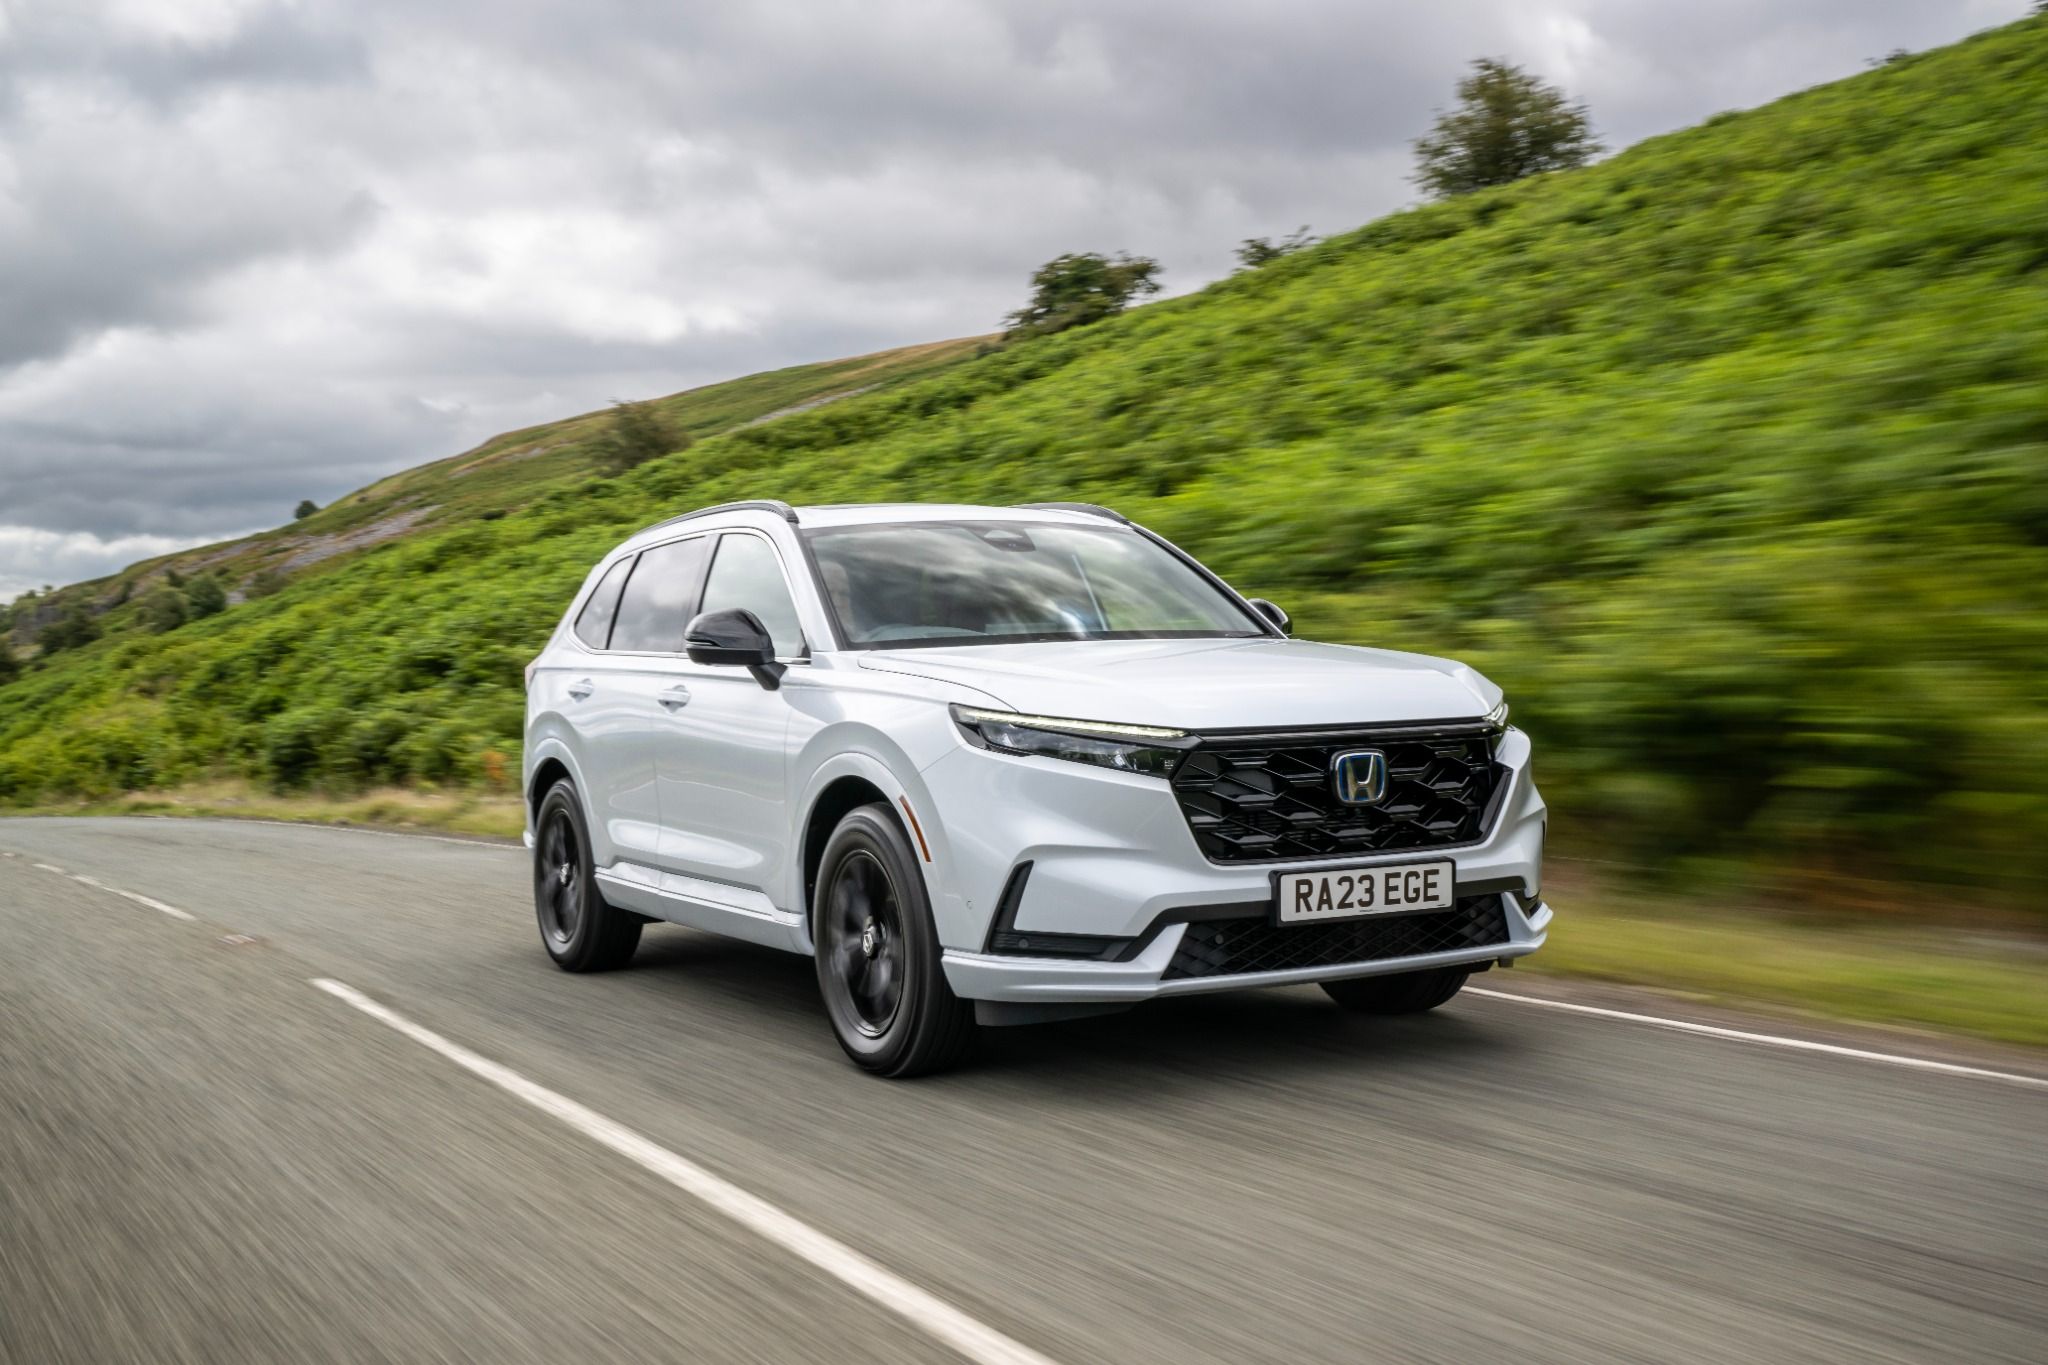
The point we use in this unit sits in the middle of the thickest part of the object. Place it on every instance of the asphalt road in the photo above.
(205, 1157)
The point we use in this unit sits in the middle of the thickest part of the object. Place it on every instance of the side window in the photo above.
(748, 574)
(594, 622)
(660, 598)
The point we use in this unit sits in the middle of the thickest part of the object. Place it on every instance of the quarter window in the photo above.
(748, 574)
(594, 622)
(660, 598)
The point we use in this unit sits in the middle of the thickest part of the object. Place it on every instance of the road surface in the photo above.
(453, 1151)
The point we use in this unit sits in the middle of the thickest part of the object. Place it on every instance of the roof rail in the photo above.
(775, 505)
(1091, 509)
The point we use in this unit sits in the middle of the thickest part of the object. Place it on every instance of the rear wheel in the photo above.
(1402, 993)
(878, 953)
(580, 931)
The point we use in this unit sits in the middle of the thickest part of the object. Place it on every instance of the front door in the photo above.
(722, 768)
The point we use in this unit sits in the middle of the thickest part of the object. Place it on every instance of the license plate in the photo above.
(1347, 893)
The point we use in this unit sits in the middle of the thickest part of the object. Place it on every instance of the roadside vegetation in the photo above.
(1724, 456)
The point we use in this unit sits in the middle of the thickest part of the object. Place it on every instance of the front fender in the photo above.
(872, 756)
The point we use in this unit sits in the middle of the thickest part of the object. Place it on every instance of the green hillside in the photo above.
(1727, 457)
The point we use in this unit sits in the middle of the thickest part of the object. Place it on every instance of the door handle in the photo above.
(674, 697)
(581, 688)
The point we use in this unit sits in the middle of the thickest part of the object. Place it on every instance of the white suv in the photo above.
(1005, 764)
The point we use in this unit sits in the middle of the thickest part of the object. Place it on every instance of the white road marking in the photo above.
(947, 1324)
(173, 911)
(1769, 1039)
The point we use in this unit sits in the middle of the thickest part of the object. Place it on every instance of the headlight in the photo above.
(1498, 716)
(1146, 749)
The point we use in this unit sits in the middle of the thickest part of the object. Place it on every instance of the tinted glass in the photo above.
(964, 583)
(660, 598)
(594, 622)
(747, 573)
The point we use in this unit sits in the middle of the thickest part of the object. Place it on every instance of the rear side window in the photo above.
(660, 598)
(594, 622)
(748, 573)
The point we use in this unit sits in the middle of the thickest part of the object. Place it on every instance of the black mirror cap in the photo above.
(1272, 613)
(729, 637)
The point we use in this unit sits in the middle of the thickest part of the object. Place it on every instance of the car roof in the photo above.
(870, 513)
(817, 515)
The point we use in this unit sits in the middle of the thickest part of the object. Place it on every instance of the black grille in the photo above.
(1259, 801)
(1229, 947)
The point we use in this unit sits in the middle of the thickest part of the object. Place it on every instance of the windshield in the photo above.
(1006, 582)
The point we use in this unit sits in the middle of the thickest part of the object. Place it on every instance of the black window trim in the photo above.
(806, 535)
(636, 556)
(582, 604)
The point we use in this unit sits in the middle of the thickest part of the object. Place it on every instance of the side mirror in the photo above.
(734, 637)
(1273, 613)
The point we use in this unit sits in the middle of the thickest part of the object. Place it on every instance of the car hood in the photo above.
(1206, 684)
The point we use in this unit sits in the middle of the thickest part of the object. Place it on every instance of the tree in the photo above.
(1508, 124)
(1079, 288)
(204, 596)
(306, 508)
(10, 667)
(1254, 252)
(636, 434)
(74, 628)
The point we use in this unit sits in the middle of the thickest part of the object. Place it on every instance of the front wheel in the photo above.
(878, 953)
(580, 930)
(1401, 993)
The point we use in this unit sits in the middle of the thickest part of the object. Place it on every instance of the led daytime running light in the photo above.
(1108, 729)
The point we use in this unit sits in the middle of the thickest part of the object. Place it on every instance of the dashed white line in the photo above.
(937, 1318)
(1770, 1039)
(173, 911)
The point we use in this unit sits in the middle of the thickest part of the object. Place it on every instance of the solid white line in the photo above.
(47, 867)
(972, 1339)
(1769, 1039)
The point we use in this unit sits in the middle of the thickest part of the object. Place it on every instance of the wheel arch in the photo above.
(846, 784)
(551, 762)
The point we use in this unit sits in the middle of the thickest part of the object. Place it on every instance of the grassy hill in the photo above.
(1727, 457)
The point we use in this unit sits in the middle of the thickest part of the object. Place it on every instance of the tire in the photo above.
(581, 932)
(1403, 993)
(878, 953)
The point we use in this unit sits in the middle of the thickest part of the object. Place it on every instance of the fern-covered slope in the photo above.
(1725, 457)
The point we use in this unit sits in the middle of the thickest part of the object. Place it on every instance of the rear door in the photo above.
(625, 717)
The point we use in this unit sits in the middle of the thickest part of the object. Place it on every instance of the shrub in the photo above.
(163, 608)
(634, 434)
(205, 597)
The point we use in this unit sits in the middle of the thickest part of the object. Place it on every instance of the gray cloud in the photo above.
(252, 251)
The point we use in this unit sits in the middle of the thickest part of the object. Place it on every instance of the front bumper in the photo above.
(1112, 859)
(1022, 980)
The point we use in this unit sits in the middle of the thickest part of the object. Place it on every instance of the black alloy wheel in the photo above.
(866, 934)
(580, 929)
(558, 880)
(877, 952)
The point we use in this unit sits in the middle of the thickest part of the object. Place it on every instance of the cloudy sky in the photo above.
(253, 251)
